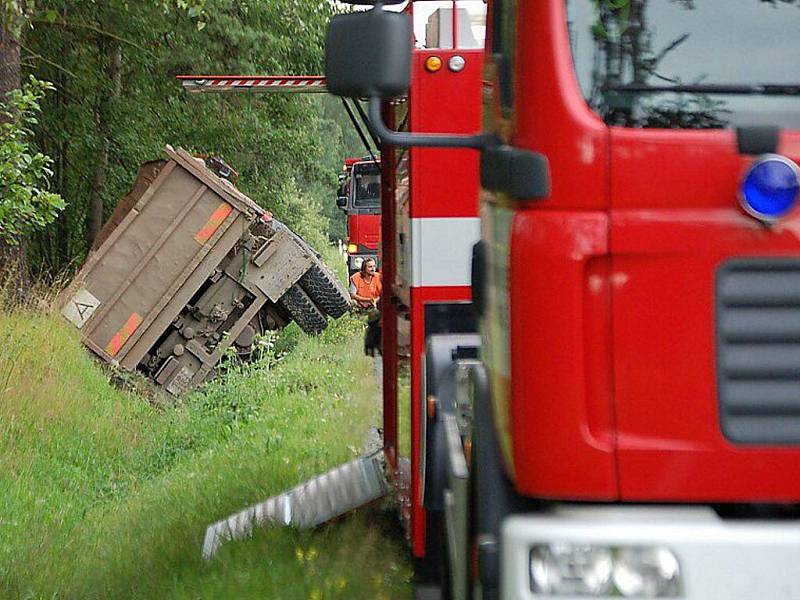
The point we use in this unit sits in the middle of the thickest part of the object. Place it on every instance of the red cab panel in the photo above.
(445, 180)
(364, 231)
(560, 413)
(675, 221)
(561, 417)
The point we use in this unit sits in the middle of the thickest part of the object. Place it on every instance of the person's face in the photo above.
(370, 267)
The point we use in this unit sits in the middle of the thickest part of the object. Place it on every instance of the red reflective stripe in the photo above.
(122, 336)
(213, 223)
(229, 83)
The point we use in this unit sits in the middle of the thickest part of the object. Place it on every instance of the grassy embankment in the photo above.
(104, 495)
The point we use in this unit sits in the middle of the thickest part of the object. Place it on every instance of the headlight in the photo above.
(647, 572)
(563, 569)
(566, 569)
(357, 262)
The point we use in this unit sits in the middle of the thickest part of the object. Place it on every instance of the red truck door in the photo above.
(705, 329)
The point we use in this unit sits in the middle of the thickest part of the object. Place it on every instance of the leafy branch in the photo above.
(25, 203)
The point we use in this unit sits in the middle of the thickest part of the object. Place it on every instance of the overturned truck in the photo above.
(187, 268)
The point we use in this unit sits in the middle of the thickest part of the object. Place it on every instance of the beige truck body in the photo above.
(187, 268)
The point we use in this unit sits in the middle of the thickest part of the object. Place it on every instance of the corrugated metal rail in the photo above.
(309, 504)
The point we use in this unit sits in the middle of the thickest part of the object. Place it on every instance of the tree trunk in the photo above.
(63, 231)
(101, 119)
(9, 63)
(13, 271)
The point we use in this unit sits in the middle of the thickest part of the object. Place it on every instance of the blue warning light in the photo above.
(770, 187)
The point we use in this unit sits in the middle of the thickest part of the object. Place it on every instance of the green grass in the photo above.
(404, 410)
(104, 495)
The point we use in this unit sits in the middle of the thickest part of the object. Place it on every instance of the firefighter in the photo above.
(366, 286)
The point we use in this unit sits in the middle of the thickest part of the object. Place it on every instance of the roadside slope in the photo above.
(103, 495)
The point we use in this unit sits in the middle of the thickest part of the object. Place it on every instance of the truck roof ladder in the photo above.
(305, 84)
(314, 502)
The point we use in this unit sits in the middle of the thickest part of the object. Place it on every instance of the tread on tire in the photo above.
(303, 310)
(326, 292)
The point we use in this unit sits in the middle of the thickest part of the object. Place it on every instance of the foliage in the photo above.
(19, 13)
(25, 203)
(11, 15)
(288, 149)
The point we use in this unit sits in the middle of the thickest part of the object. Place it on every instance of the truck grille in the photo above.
(758, 350)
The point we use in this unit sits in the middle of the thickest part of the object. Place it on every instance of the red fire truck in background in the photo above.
(359, 196)
(625, 421)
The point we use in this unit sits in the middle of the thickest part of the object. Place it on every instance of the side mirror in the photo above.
(341, 201)
(368, 54)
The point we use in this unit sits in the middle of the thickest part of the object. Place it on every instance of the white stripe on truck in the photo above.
(441, 250)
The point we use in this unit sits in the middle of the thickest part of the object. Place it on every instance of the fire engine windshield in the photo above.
(689, 64)
(367, 181)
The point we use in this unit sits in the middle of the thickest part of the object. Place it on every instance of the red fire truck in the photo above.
(626, 423)
(359, 196)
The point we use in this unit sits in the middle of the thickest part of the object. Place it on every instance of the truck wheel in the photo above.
(302, 309)
(326, 291)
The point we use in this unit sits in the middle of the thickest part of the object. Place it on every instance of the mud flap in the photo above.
(318, 500)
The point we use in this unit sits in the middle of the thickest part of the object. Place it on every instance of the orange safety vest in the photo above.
(371, 289)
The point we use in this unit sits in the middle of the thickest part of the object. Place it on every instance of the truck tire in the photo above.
(326, 292)
(303, 311)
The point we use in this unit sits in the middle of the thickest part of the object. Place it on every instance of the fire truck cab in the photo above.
(359, 196)
(626, 422)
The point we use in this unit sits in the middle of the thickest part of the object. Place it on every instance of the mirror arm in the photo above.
(440, 140)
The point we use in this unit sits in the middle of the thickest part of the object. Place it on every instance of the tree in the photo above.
(12, 257)
(117, 104)
(25, 203)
